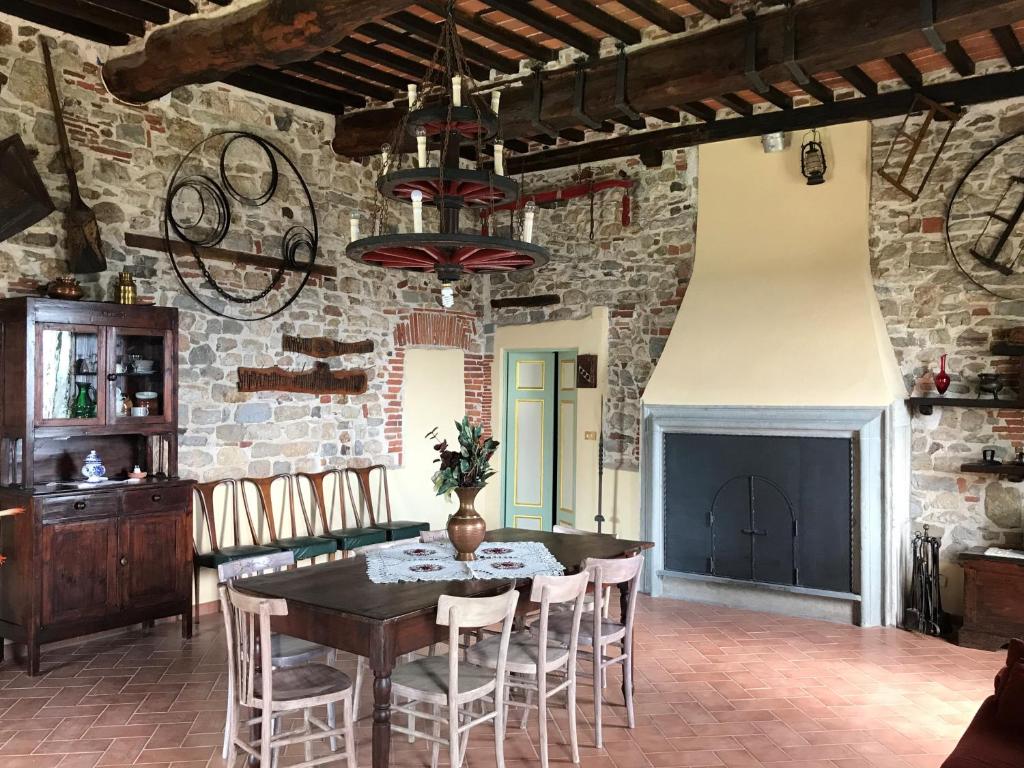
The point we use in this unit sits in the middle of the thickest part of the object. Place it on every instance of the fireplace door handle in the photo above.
(754, 532)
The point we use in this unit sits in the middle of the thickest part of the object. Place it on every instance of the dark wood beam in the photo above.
(780, 99)
(700, 110)
(324, 73)
(209, 47)
(549, 25)
(414, 69)
(137, 9)
(181, 6)
(960, 59)
(831, 35)
(665, 114)
(65, 23)
(716, 9)
(657, 14)
(430, 31)
(587, 12)
(906, 69)
(1009, 45)
(365, 71)
(736, 103)
(859, 79)
(249, 81)
(818, 90)
(965, 92)
(500, 35)
(414, 46)
(93, 14)
(316, 90)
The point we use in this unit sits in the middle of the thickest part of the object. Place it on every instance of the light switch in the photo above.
(590, 435)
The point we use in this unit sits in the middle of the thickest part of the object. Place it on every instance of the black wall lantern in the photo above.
(812, 159)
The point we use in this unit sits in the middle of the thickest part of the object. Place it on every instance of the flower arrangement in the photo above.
(468, 467)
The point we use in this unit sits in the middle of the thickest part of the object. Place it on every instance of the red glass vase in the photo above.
(942, 378)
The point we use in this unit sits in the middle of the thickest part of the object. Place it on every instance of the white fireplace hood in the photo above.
(781, 310)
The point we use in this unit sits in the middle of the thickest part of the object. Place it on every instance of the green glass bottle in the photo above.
(83, 407)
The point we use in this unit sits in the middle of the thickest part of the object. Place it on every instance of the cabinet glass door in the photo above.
(140, 377)
(69, 363)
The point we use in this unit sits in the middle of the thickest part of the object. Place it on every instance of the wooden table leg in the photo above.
(624, 589)
(382, 662)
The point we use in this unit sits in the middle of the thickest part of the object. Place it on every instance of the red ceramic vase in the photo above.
(942, 378)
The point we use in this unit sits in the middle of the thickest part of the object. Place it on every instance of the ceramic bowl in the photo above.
(146, 395)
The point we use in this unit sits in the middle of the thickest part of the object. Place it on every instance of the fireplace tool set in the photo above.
(925, 613)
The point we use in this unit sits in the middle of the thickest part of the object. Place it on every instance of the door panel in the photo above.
(153, 575)
(78, 578)
(566, 429)
(529, 439)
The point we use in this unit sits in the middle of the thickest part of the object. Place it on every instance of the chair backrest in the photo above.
(428, 537)
(372, 497)
(606, 573)
(464, 613)
(253, 566)
(558, 590)
(247, 628)
(330, 493)
(274, 498)
(219, 500)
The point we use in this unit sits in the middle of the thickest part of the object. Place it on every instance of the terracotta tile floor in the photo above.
(715, 687)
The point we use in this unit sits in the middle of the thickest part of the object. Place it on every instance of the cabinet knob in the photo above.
(124, 560)
(111, 377)
(157, 497)
(80, 505)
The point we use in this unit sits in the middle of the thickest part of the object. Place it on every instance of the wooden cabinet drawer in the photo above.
(79, 507)
(155, 499)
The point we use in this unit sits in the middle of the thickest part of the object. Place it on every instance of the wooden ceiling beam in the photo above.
(591, 14)
(325, 73)
(700, 110)
(430, 31)
(136, 9)
(93, 14)
(774, 96)
(475, 23)
(181, 6)
(817, 90)
(414, 69)
(65, 23)
(960, 59)
(906, 69)
(974, 90)
(665, 114)
(251, 81)
(656, 13)
(716, 9)
(365, 71)
(417, 47)
(856, 77)
(208, 47)
(549, 25)
(736, 103)
(1009, 45)
(301, 85)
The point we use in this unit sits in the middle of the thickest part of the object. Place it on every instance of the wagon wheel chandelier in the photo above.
(446, 114)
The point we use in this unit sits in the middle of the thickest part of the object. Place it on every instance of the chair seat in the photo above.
(560, 627)
(306, 547)
(288, 651)
(403, 529)
(230, 554)
(305, 682)
(350, 538)
(427, 678)
(523, 652)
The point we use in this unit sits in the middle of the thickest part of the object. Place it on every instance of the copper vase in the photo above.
(466, 528)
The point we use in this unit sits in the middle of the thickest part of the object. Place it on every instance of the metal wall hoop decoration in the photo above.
(204, 199)
(983, 217)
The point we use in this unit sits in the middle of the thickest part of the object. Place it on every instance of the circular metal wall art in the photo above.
(984, 232)
(240, 227)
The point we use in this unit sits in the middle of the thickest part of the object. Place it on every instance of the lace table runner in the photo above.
(436, 562)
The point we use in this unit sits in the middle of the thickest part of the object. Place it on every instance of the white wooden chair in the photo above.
(599, 632)
(272, 693)
(535, 655)
(446, 682)
(286, 651)
(568, 529)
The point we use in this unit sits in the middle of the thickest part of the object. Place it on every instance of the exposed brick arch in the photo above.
(437, 329)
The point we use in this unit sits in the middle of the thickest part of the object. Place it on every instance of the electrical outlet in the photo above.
(590, 435)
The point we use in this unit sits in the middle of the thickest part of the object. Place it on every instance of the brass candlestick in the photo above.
(126, 292)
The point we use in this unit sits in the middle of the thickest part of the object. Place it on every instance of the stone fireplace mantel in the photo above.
(880, 485)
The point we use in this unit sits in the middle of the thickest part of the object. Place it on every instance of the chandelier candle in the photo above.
(421, 146)
(456, 91)
(353, 227)
(495, 102)
(413, 89)
(499, 157)
(417, 211)
(529, 210)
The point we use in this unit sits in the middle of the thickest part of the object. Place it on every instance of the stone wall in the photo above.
(125, 156)
(640, 272)
(930, 309)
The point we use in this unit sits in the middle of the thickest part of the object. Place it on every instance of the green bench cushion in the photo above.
(230, 554)
(306, 547)
(350, 538)
(403, 529)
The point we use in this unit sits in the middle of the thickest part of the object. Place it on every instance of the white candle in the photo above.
(353, 226)
(417, 211)
(421, 146)
(495, 101)
(385, 157)
(412, 95)
(447, 297)
(530, 208)
(499, 158)
(457, 90)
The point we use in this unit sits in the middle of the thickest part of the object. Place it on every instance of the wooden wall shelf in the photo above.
(925, 405)
(1011, 471)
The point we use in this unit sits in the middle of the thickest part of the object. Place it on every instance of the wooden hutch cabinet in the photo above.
(84, 557)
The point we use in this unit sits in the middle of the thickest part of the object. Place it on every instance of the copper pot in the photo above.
(466, 528)
(65, 287)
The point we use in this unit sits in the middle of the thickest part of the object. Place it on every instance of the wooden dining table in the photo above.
(335, 604)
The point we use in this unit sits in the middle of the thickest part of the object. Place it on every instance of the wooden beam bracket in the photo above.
(750, 55)
(578, 94)
(800, 76)
(621, 98)
(538, 104)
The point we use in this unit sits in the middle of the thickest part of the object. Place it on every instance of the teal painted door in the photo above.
(565, 435)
